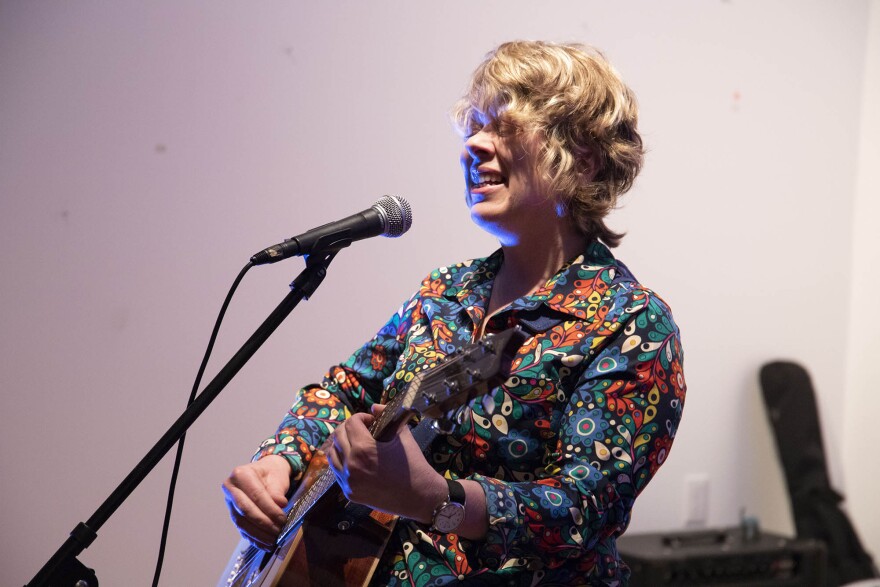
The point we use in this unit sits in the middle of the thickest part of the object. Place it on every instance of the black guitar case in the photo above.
(791, 406)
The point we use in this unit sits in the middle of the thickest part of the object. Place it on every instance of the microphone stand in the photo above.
(64, 569)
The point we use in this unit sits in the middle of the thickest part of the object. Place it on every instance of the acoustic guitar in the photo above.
(328, 540)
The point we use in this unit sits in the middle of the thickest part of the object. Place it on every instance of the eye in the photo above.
(489, 125)
(505, 127)
(473, 128)
(478, 121)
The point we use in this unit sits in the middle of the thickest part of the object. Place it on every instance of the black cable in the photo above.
(192, 398)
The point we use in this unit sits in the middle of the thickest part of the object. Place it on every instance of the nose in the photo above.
(479, 146)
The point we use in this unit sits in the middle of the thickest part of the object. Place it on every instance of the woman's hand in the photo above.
(255, 496)
(392, 475)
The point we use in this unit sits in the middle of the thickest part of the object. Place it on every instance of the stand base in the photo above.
(72, 572)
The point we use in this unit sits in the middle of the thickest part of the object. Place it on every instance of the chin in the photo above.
(504, 236)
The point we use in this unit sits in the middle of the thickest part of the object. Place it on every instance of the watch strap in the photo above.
(456, 491)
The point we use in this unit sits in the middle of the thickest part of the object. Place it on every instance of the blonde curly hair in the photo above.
(585, 116)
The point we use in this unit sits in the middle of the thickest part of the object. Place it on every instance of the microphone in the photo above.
(390, 216)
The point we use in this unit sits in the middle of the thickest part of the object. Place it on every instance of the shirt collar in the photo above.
(575, 289)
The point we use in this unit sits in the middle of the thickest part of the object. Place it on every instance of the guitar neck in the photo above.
(324, 479)
(433, 392)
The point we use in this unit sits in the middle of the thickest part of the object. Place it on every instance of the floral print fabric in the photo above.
(584, 420)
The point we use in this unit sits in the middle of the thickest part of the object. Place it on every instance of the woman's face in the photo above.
(503, 189)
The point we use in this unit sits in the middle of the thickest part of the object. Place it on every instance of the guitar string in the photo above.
(243, 566)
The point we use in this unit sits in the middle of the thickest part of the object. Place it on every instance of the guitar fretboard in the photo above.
(323, 482)
(326, 479)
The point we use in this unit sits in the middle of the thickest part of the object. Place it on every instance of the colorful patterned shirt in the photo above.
(584, 420)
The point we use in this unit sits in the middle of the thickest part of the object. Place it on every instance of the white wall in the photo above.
(147, 149)
(862, 400)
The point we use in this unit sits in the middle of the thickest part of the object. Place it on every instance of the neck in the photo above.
(528, 264)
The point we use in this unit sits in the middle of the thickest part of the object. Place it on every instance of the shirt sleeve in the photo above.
(351, 387)
(616, 428)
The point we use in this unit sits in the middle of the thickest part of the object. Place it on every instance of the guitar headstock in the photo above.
(469, 372)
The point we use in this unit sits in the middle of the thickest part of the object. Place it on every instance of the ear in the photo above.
(590, 164)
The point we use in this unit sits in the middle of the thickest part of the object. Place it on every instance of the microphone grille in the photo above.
(396, 214)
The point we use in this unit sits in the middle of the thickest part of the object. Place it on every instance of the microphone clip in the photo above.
(291, 248)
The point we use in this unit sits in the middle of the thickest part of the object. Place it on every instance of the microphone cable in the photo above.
(192, 397)
(395, 217)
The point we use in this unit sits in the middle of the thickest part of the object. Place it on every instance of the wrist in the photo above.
(277, 462)
(449, 516)
(437, 494)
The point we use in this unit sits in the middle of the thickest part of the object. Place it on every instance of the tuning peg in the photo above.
(451, 385)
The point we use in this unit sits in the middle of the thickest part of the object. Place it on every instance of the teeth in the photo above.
(485, 178)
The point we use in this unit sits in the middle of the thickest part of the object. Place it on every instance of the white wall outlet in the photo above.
(696, 500)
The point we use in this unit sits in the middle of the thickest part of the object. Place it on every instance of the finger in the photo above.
(405, 435)
(253, 531)
(377, 409)
(363, 419)
(266, 502)
(257, 543)
(334, 461)
(340, 440)
(357, 432)
(249, 487)
(241, 505)
(277, 491)
(256, 536)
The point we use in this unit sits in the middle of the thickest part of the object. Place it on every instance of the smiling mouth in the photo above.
(481, 179)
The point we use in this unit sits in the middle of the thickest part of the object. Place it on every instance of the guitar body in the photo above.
(322, 555)
(338, 543)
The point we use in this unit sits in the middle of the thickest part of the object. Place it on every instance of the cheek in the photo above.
(465, 160)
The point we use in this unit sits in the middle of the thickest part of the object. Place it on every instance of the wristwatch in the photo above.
(449, 514)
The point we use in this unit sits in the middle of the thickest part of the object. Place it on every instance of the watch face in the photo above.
(449, 517)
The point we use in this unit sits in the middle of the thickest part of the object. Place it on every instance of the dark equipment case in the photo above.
(735, 557)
